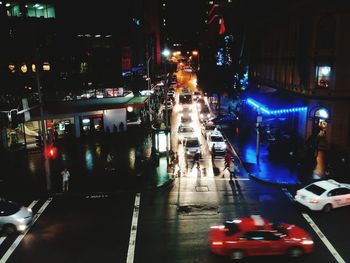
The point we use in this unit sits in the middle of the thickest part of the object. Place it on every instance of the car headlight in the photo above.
(307, 242)
(29, 210)
(20, 220)
(201, 115)
(208, 115)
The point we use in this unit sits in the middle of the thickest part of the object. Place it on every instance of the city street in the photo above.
(103, 222)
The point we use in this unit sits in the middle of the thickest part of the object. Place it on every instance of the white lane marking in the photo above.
(32, 204)
(233, 179)
(133, 230)
(20, 237)
(2, 239)
(288, 194)
(323, 238)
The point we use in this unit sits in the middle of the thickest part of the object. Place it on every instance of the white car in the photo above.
(184, 131)
(192, 146)
(217, 139)
(324, 195)
(14, 217)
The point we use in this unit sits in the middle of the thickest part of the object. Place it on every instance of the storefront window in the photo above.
(40, 11)
(323, 76)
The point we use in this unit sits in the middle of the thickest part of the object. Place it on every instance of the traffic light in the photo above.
(51, 152)
(39, 141)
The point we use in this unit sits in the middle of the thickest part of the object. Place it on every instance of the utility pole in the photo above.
(149, 89)
(42, 121)
(258, 121)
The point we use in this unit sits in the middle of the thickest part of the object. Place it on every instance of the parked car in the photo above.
(256, 236)
(14, 217)
(324, 195)
(192, 146)
(225, 120)
(184, 131)
(216, 138)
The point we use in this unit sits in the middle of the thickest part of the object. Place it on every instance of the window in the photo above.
(323, 76)
(40, 11)
(315, 189)
(344, 191)
(325, 33)
(260, 235)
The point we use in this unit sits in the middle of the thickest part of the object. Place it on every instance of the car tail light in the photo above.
(217, 243)
(313, 201)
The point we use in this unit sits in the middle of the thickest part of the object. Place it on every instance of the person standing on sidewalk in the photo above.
(65, 180)
(213, 152)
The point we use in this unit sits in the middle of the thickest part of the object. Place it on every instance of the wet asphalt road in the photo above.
(172, 224)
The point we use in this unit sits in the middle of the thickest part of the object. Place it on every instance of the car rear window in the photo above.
(315, 189)
(216, 139)
(186, 129)
(232, 228)
(192, 143)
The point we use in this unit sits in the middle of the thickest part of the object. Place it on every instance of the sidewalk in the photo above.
(263, 169)
(86, 161)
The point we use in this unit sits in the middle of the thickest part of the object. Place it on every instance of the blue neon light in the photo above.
(265, 110)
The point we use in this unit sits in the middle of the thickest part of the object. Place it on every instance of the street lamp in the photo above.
(148, 77)
(166, 54)
(196, 54)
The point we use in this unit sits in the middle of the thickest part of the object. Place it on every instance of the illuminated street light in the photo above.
(166, 53)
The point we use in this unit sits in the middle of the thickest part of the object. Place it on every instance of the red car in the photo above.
(256, 236)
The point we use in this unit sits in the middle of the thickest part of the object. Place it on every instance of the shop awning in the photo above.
(137, 102)
(270, 101)
(74, 106)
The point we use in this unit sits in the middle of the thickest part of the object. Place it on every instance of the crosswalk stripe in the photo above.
(20, 237)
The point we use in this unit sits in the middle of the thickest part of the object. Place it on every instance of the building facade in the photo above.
(304, 51)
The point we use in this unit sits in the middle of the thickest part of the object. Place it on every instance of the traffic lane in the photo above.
(167, 235)
(93, 229)
(270, 202)
(333, 226)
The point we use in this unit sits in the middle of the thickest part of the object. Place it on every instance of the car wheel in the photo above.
(295, 252)
(237, 254)
(9, 229)
(327, 208)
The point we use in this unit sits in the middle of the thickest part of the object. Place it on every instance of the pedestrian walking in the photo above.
(109, 161)
(196, 158)
(227, 163)
(233, 170)
(65, 180)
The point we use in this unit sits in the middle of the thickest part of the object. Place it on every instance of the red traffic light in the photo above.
(51, 152)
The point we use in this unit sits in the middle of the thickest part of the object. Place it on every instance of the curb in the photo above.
(247, 170)
(268, 182)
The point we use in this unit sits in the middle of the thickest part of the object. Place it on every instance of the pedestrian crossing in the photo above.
(8, 244)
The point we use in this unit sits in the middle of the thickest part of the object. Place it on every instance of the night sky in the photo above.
(186, 16)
